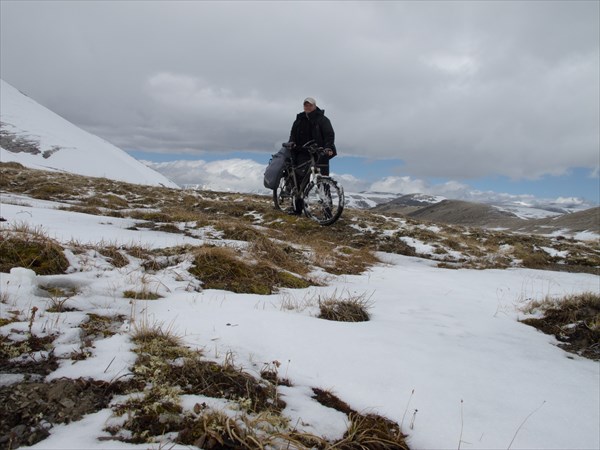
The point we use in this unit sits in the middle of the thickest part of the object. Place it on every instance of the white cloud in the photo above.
(237, 175)
(457, 90)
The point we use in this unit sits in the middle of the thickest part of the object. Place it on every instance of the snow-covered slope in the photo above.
(38, 138)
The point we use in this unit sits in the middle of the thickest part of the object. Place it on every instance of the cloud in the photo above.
(236, 175)
(457, 90)
(198, 115)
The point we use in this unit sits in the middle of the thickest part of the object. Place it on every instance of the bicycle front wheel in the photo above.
(324, 201)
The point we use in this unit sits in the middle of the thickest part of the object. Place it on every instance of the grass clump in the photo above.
(220, 268)
(574, 320)
(42, 255)
(281, 254)
(114, 256)
(352, 309)
(370, 432)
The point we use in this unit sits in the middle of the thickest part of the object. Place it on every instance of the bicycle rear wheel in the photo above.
(324, 201)
(283, 196)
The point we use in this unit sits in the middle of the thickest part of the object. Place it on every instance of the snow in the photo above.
(80, 152)
(443, 352)
(527, 212)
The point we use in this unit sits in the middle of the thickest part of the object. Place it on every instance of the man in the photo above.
(312, 124)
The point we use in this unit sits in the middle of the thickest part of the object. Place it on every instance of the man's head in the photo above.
(310, 104)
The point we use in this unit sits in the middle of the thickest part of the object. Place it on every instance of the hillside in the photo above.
(588, 220)
(36, 137)
(465, 213)
(136, 316)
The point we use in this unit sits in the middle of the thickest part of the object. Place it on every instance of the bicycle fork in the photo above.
(323, 192)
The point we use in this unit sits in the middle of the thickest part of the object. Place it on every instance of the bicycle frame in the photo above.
(312, 174)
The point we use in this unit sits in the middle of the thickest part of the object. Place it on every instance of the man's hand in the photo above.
(289, 145)
(328, 152)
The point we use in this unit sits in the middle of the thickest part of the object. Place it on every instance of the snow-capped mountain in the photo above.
(36, 137)
(411, 202)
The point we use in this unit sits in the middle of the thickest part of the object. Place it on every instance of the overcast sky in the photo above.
(455, 90)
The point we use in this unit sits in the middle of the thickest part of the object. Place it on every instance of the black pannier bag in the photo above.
(275, 167)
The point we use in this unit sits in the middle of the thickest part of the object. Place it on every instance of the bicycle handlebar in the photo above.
(310, 146)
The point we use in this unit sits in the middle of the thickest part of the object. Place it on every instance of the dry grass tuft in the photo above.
(31, 249)
(352, 309)
(372, 432)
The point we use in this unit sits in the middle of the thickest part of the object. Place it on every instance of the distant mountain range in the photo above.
(543, 219)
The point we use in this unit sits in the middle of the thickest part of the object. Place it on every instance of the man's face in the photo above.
(309, 107)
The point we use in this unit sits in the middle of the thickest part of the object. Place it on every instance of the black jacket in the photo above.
(313, 126)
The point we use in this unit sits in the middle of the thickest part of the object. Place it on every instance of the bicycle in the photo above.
(322, 196)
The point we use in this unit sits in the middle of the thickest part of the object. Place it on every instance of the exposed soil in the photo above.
(578, 339)
(35, 407)
(577, 331)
